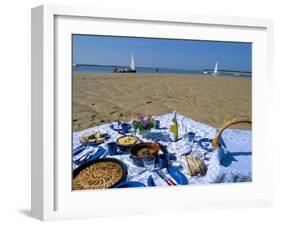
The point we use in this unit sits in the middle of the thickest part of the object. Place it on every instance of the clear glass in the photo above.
(188, 146)
(149, 162)
(197, 151)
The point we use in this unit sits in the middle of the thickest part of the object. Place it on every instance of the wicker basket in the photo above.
(197, 166)
(215, 141)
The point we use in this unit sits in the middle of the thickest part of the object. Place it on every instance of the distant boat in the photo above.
(132, 65)
(215, 70)
(130, 69)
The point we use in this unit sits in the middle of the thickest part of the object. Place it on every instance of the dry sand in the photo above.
(104, 98)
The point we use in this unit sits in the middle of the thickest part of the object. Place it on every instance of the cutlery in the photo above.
(167, 180)
(163, 178)
(100, 153)
(84, 157)
(79, 149)
(124, 134)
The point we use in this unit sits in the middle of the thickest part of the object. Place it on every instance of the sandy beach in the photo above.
(104, 98)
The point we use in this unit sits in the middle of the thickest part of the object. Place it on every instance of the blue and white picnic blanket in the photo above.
(230, 163)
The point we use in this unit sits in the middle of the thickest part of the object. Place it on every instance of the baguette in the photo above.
(88, 136)
(195, 166)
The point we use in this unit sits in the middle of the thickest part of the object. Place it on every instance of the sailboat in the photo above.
(215, 69)
(130, 69)
(132, 65)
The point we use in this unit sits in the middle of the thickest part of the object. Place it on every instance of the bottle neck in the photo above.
(175, 118)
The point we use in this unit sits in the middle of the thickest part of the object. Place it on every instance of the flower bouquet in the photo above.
(143, 125)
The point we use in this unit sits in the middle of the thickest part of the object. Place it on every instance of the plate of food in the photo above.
(99, 174)
(93, 138)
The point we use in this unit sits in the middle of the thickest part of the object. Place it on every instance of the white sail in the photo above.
(132, 65)
(216, 69)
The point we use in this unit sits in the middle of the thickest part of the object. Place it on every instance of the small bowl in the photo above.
(124, 147)
(138, 160)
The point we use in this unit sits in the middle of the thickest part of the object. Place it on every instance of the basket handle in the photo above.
(215, 141)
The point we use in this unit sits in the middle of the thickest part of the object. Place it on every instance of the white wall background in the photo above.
(15, 110)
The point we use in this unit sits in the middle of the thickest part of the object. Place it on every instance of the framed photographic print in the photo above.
(141, 112)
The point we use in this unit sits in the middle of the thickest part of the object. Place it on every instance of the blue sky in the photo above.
(162, 53)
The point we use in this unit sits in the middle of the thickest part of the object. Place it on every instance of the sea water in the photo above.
(148, 70)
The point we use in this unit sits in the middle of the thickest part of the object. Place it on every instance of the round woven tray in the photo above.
(99, 174)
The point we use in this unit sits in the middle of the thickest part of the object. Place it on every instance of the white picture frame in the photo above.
(52, 197)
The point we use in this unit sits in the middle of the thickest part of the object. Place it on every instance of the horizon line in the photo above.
(150, 67)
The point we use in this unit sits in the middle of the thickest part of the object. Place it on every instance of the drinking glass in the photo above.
(112, 148)
(163, 161)
(125, 127)
(149, 162)
(157, 124)
(190, 136)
